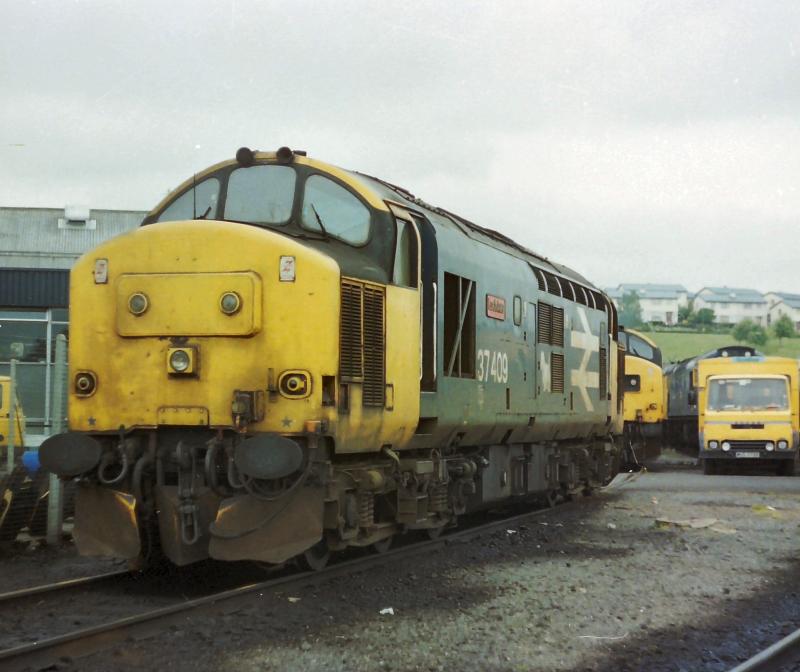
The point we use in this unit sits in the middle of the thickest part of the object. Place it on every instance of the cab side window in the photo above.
(405, 255)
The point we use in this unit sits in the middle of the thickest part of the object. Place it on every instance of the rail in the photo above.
(93, 639)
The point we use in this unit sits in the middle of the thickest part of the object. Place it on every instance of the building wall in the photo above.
(39, 246)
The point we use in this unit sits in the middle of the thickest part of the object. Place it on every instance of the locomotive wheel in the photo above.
(382, 546)
(316, 557)
(434, 532)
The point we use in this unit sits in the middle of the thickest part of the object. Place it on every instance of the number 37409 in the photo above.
(492, 365)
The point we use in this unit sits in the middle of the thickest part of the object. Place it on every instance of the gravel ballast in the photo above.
(667, 571)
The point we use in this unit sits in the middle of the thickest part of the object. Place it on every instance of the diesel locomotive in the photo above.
(288, 358)
(645, 392)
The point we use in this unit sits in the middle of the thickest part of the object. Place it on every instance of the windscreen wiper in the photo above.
(319, 221)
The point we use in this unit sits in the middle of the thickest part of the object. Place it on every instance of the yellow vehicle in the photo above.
(5, 416)
(645, 390)
(17, 501)
(748, 411)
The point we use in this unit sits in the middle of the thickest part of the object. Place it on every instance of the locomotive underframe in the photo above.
(180, 494)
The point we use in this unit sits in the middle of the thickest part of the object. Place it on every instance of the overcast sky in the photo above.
(632, 141)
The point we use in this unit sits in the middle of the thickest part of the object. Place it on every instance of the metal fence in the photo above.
(31, 500)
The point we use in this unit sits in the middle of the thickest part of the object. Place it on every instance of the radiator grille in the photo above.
(557, 373)
(545, 322)
(558, 327)
(362, 343)
(350, 355)
(374, 389)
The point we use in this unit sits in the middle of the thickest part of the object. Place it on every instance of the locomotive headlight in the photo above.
(783, 444)
(295, 384)
(769, 446)
(713, 445)
(229, 303)
(181, 361)
(726, 446)
(138, 303)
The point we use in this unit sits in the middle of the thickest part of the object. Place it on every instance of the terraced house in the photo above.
(780, 304)
(733, 304)
(659, 303)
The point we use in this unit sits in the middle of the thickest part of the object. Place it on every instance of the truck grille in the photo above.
(747, 445)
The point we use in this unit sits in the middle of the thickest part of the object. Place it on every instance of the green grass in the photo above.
(677, 346)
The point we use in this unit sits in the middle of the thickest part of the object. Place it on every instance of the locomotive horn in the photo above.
(245, 157)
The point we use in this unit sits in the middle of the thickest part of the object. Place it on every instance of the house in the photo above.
(659, 303)
(732, 304)
(781, 303)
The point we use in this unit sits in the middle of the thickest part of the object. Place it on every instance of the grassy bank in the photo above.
(676, 346)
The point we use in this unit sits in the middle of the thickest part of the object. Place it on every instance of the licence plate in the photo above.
(747, 453)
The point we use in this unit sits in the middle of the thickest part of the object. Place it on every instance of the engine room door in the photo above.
(422, 249)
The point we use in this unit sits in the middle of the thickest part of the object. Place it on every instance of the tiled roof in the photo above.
(730, 295)
(652, 291)
(791, 300)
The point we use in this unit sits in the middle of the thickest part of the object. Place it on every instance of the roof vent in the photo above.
(76, 217)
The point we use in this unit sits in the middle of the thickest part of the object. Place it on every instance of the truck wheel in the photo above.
(709, 467)
(787, 468)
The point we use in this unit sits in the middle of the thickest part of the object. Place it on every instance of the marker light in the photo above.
(783, 444)
(726, 446)
(769, 446)
(138, 303)
(713, 445)
(229, 303)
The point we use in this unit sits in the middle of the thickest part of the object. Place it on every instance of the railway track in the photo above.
(773, 658)
(86, 641)
(60, 586)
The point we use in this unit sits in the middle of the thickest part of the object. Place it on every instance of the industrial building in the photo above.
(38, 246)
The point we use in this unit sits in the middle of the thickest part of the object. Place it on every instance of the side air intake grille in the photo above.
(350, 365)
(603, 374)
(374, 389)
(557, 373)
(545, 322)
(558, 327)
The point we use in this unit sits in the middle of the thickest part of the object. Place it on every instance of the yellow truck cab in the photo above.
(5, 414)
(748, 411)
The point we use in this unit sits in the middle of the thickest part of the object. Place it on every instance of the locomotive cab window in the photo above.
(334, 211)
(459, 326)
(200, 202)
(405, 255)
(261, 195)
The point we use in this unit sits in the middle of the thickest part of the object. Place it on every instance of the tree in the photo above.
(703, 317)
(631, 313)
(783, 328)
(686, 313)
(742, 330)
(748, 331)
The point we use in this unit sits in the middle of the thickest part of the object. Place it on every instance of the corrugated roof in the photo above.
(31, 237)
(730, 295)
